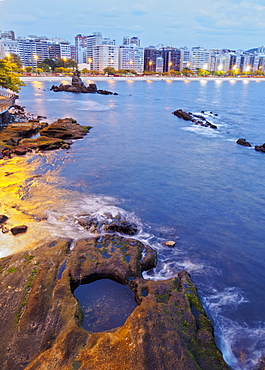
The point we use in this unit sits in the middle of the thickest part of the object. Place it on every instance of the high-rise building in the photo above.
(199, 58)
(10, 35)
(127, 40)
(91, 41)
(185, 60)
(32, 52)
(171, 58)
(150, 56)
(131, 57)
(7, 47)
(105, 56)
(81, 48)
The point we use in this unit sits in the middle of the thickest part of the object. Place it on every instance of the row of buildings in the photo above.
(95, 52)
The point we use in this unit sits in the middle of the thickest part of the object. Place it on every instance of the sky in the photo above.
(231, 24)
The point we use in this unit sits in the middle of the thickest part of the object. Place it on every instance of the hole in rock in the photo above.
(105, 303)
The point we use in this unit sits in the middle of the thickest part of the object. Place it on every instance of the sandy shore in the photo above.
(141, 78)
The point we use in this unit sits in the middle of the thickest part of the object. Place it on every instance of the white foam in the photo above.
(91, 105)
(62, 222)
(200, 130)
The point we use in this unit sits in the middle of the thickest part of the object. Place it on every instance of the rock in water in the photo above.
(243, 142)
(3, 218)
(19, 229)
(260, 148)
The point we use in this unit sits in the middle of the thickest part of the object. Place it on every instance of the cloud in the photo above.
(139, 9)
(136, 28)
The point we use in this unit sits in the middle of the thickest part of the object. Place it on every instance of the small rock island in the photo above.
(78, 86)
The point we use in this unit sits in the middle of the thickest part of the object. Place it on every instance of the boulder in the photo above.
(19, 229)
(260, 148)
(66, 128)
(170, 243)
(3, 218)
(243, 142)
(184, 115)
(41, 318)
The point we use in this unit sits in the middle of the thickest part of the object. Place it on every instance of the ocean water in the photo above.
(176, 180)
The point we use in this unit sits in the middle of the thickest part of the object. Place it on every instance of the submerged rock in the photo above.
(41, 319)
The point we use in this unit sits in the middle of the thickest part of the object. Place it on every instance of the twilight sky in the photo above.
(233, 24)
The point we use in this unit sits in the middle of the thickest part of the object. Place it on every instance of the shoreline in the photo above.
(141, 78)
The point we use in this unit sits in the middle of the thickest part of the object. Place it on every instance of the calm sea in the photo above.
(178, 181)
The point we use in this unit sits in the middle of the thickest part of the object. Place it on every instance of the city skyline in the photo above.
(224, 24)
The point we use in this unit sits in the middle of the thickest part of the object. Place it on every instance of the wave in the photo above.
(199, 130)
(242, 344)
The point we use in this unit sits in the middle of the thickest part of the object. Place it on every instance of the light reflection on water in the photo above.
(194, 181)
(25, 199)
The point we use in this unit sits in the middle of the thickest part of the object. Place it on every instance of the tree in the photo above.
(50, 62)
(29, 69)
(66, 63)
(109, 70)
(9, 78)
(218, 73)
(258, 73)
(84, 71)
(174, 73)
(203, 72)
(45, 67)
(14, 58)
(39, 70)
(186, 72)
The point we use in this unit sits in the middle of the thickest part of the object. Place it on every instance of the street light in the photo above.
(64, 60)
(150, 65)
(169, 65)
(35, 57)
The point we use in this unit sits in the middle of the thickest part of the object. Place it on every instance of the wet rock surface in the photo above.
(41, 319)
(16, 138)
(196, 119)
(243, 142)
(260, 148)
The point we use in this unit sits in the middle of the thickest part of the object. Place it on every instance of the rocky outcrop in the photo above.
(107, 223)
(16, 139)
(78, 86)
(243, 142)
(260, 148)
(41, 319)
(91, 88)
(197, 119)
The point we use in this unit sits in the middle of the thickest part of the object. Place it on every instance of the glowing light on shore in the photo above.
(218, 82)
(203, 82)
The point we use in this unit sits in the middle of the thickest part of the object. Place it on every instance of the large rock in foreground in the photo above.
(16, 138)
(41, 318)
